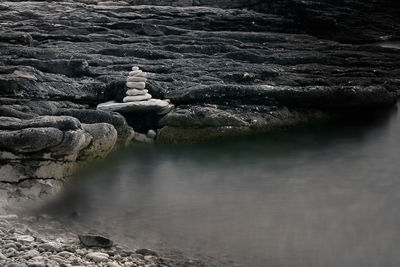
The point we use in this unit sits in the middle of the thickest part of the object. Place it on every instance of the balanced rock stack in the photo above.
(136, 82)
(137, 97)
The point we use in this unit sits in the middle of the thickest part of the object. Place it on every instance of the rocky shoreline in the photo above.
(50, 244)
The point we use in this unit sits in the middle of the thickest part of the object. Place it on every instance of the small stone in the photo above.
(25, 75)
(136, 98)
(142, 138)
(138, 73)
(136, 85)
(15, 264)
(31, 253)
(135, 68)
(151, 134)
(65, 254)
(90, 240)
(58, 259)
(11, 252)
(150, 258)
(10, 245)
(50, 246)
(136, 79)
(36, 264)
(133, 92)
(97, 256)
(146, 252)
(113, 264)
(2, 257)
(25, 238)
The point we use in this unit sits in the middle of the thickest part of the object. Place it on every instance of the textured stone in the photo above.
(147, 105)
(134, 92)
(91, 240)
(104, 136)
(128, 99)
(30, 139)
(136, 79)
(136, 85)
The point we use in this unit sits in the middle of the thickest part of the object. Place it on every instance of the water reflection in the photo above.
(321, 195)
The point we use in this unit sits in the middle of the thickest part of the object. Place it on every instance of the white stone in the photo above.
(97, 256)
(136, 79)
(135, 68)
(136, 85)
(136, 92)
(138, 73)
(25, 238)
(151, 134)
(113, 264)
(136, 98)
(151, 104)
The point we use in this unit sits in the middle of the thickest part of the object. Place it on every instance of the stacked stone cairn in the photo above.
(136, 82)
(138, 99)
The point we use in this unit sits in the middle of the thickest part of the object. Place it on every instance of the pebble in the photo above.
(36, 264)
(136, 92)
(135, 68)
(136, 98)
(136, 85)
(136, 79)
(2, 257)
(151, 134)
(65, 254)
(97, 256)
(15, 264)
(138, 73)
(91, 240)
(31, 253)
(146, 252)
(113, 264)
(25, 238)
(51, 246)
(142, 138)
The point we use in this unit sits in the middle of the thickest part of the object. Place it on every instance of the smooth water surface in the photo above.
(319, 195)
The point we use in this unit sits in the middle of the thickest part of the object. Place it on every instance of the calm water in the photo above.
(321, 195)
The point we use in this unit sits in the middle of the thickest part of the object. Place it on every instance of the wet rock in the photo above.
(90, 240)
(104, 136)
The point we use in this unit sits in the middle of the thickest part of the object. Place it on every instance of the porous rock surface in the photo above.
(229, 67)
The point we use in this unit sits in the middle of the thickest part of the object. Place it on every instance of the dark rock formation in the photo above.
(230, 67)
